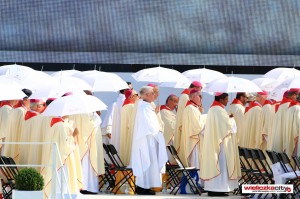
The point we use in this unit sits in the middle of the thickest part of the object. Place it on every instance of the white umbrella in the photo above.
(158, 75)
(74, 104)
(74, 82)
(10, 93)
(103, 81)
(203, 75)
(64, 73)
(266, 83)
(14, 69)
(231, 85)
(10, 82)
(31, 79)
(182, 83)
(56, 91)
(285, 85)
(282, 73)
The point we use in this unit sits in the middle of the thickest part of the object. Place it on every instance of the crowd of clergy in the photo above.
(140, 130)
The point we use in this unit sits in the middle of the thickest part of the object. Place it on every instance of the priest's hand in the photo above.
(201, 109)
(75, 132)
(108, 135)
(157, 109)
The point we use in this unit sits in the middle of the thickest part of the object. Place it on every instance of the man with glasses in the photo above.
(279, 125)
(192, 124)
(32, 133)
(183, 99)
(254, 121)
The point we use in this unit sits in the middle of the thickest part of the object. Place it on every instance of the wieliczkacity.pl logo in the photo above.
(278, 188)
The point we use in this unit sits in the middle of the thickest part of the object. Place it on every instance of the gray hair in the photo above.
(145, 89)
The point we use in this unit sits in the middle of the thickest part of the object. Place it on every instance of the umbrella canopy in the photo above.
(158, 75)
(10, 93)
(231, 85)
(182, 83)
(14, 69)
(278, 91)
(266, 83)
(73, 82)
(74, 104)
(103, 81)
(282, 73)
(203, 75)
(64, 73)
(56, 91)
(31, 79)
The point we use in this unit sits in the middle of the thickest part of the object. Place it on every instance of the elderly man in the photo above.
(220, 166)
(279, 125)
(15, 126)
(254, 120)
(169, 117)
(183, 99)
(192, 124)
(148, 155)
(5, 109)
(127, 119)
(31, 154)
(291, 134)
(116, 118)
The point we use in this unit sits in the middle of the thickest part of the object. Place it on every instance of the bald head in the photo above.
(172, 102)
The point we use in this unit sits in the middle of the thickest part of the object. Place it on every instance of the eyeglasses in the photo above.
(135, 95)
(245, 96)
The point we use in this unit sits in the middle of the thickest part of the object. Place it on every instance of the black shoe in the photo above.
(217, 194)
(142, 191)
(87, 192)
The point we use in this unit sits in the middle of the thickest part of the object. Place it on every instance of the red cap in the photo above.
(285, 94)
(294, 90)
(262, 93)
(35, 100)
(151, 85)
(218, 93)
(194, 91)
(197, 84)
(128, 93)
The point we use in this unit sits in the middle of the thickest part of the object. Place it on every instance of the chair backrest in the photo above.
(283, 157)
(9, 174)
(115, 155)
(273, 156)
(175, 156)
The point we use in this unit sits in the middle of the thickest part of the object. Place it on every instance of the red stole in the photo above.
(237, 101)
(268, 102)
(127, 101)
(216, 103)
(294, 103)
(30, 114)
(162, 107)
(3, 103)
(251, 105)
(191, 103)
(56, 120)
(283, 101)
(185, 91)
